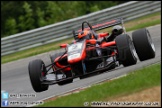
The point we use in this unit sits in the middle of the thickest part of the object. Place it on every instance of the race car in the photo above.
(92, 52)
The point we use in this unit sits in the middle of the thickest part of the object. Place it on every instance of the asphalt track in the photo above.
(15, 77)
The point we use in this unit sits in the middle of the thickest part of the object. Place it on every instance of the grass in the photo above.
(135, 81)
(145, 21)
(32, 51)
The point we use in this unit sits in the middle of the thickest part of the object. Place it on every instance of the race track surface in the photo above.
(15, 77)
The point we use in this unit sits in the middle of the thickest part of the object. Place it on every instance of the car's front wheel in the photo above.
(37, 75)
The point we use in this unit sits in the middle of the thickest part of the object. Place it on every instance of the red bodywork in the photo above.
(83, 53)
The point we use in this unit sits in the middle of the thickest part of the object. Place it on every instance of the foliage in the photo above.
(19, 16)
(141, 22)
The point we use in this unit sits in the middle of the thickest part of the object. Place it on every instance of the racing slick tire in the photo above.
(126, 51)
(143, 44)
(36, 72)
(67, 73)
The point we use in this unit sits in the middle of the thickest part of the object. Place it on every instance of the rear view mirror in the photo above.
(103, 34)
(63, 45)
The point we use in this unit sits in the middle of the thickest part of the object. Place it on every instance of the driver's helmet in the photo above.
(85, 33)
(117, 30)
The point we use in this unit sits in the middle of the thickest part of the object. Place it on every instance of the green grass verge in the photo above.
(131, 25)
(154, 22)
(135, 81)
(31, 52)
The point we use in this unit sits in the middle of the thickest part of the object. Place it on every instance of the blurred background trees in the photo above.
(20, 16)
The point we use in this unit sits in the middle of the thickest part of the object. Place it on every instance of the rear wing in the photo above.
(103, 25)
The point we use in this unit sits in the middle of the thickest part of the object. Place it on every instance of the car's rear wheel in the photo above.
(143, 44)
(67, 73)
(37, 71)
(126, 51)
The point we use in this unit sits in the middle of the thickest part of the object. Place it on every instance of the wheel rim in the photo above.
(133, 51)
(42, 75)
(150, 41)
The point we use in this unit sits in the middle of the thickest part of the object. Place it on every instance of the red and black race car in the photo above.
(92, 52)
